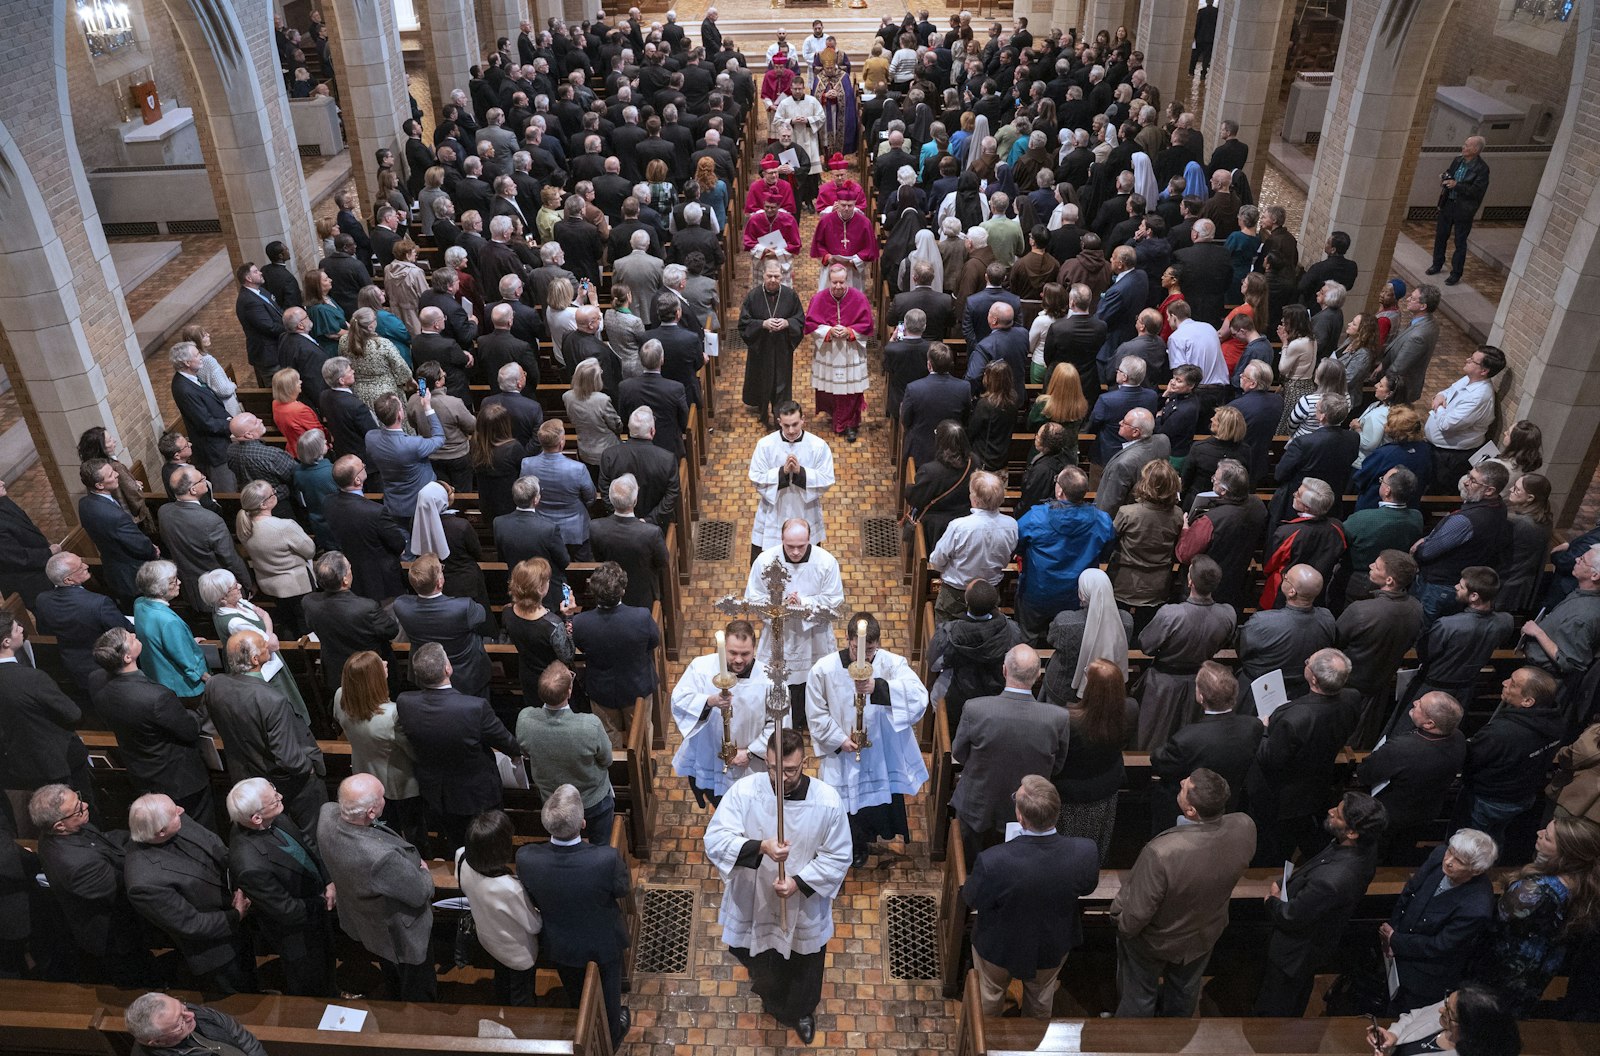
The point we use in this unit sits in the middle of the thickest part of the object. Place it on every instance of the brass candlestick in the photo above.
(725, 681)
(860, 670)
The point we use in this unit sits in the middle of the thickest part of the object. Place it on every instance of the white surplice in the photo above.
(818, 835)
(698, 758)
(778, 505)
(808, 632)
(804, 135)
(894, 762)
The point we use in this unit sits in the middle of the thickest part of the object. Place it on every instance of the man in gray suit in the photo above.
(1000, 741)
(1122, 468)
(1411, 348)
(194, 538)
(641, 273)
(385, 889)
(263, 735)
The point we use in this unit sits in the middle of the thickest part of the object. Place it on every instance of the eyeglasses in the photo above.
(77, 812)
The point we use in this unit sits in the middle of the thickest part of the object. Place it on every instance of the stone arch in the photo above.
(1549, 312)
(66, 341)
(1371, 137)
(246, 133)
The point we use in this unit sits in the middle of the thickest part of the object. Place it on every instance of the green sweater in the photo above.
(566, 748)
(1370, 532)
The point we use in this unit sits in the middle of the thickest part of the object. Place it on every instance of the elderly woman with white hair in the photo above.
(1441, 917)
(952, 248)
(231, 613)
(171, 655)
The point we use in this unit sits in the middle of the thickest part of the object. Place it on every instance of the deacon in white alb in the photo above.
(873, 786)
(813, 595)
(697, 710)
(791, 468)
(779, 929)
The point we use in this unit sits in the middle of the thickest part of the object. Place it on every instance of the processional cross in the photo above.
(779, 609)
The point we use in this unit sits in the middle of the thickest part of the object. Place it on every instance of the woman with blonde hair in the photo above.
(1147, 539)
(378, 366)
(590, 411)
(290, 415)
(1226, 441)
(363, 710)
(279, 551)
(1403, 446)
(560, 315)
(211, 372)
(1064, 403)
(327, 228)
(549, 211)
(432, 191)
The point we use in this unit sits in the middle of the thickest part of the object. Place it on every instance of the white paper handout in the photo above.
(1283, 888)
(773, 240)
(1484, 453)
(790, 157)
(1269, 694)
(338, 1017)
(713, 344)
(512, 774)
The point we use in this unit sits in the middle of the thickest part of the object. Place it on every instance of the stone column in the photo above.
(450, 50)
(372, 82)
(1246, 73)
(246, 132)
(65, 337)
(1550, 310)
(1166, 36)
(1372, 132)
(1108, 15)
(499, 18)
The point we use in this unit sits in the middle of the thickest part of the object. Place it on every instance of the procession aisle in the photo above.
(709, 1007)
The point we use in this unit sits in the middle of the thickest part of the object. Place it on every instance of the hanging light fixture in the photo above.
(107, 26)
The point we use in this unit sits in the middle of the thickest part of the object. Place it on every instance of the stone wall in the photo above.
(95, 108)
(1468, 51)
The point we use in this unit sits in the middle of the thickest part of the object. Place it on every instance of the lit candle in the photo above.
(861, 640)
(722, 653)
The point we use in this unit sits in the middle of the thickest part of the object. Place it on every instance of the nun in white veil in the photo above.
(925, 249)
(1144, 179)
(1095, 630)
(427, 526)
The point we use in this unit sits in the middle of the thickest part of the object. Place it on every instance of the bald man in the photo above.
(1284, 639)
(1140, 444)
(385, 891)
(250, 459)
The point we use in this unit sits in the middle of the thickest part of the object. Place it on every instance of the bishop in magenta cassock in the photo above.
(844, 237)
(840, 318)
(770, 188)
(764, 221)
(839, 186)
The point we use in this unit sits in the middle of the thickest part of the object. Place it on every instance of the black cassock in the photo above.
(769, 356)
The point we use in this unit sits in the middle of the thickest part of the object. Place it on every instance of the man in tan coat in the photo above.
(1175, 905)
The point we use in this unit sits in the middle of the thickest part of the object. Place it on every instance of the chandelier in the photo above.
(107, 26)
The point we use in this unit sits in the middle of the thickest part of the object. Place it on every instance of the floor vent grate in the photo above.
(913, 936)
(713, 541)
(882, 536)
(666, 930)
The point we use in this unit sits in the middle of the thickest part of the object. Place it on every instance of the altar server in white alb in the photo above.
(812, 598)
(779, 928)
(791, 470)
(872, 779)
(697, 710)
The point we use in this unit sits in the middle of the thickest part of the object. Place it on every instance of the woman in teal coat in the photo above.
(170, 655)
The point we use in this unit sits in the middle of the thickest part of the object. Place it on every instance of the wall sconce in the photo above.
(107, 26)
